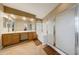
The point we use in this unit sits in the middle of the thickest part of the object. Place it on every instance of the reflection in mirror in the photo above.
(18, 23)
(8, 23)
(24, 24)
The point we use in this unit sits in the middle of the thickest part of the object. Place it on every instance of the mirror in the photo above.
(18, 23)
(8, 24)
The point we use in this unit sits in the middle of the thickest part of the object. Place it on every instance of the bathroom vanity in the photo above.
(16, 37)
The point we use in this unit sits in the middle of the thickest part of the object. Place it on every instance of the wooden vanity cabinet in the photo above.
(8, 39)
(24, 36)
(32, 35)
(13, 38)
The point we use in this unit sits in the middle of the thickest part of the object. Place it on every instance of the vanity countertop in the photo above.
(18, 32)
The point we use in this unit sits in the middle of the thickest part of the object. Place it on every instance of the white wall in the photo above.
(19, 25)
(65, 31)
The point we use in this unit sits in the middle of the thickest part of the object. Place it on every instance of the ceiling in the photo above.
(39, 9)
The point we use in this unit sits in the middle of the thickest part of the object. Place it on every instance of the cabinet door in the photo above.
(15, 38)
(6, 39)
(30, 36)
(34, 35)
(24, 36)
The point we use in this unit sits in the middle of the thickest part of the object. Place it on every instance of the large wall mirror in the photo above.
(8, 23)
(18, 23)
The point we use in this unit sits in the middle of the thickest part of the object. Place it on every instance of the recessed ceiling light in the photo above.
(24, 18)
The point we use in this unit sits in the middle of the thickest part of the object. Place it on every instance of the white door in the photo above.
(65, 31)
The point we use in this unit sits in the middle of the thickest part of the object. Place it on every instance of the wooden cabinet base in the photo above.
(32, 35)
(13, 38)
(9, 39)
